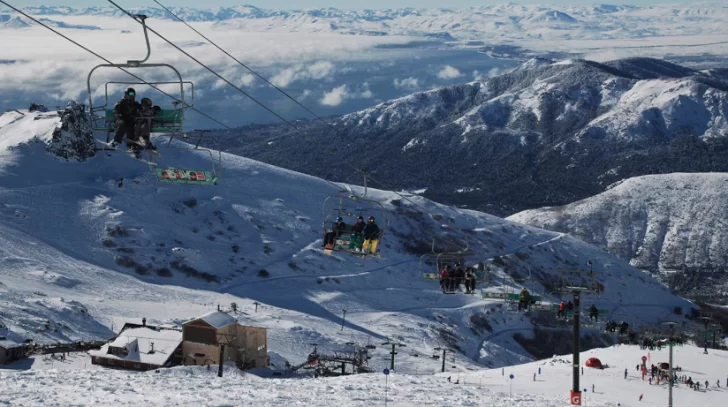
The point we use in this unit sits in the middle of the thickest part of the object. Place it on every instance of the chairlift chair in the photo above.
(352, 206)
(169, 123)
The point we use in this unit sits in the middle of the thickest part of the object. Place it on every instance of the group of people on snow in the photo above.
(134, 121)
(362, 235)
(451, 278)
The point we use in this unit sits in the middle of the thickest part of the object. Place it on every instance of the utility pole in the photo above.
(444, 353)
(671, 343)
(394, 350)
(343, 320)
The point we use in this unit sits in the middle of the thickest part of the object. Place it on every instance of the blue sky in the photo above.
(343, 4)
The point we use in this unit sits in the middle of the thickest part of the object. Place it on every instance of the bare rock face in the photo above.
(74, 139)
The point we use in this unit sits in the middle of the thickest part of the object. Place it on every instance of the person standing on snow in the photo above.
(625, 372)
(125, 113)
(371, 236)
(355, 242)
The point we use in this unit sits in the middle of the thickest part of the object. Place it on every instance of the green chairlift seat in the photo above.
(167, 121)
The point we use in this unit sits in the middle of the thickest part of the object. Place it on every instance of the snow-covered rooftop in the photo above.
(9, 339)
(217, 319)
(138, 343)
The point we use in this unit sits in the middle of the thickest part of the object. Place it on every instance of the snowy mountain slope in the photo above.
(546, 133)
(61, 386)
(170, 252)
(656, 222)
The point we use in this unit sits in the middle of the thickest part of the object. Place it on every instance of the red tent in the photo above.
(594, 362)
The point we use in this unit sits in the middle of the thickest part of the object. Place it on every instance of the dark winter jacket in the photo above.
(339, 228)
(459, 273)
(126, 110)
(358, 227)
(371, 231)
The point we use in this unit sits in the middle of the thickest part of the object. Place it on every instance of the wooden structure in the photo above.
(204, 337)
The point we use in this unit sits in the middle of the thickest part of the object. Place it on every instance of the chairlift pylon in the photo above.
(167, 123)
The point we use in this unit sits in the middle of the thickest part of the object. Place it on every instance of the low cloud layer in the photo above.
(449, 72)
(410, 83)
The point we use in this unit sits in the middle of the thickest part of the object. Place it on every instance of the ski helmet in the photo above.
(130, 92)
(371, 218)
(339, 218)
(360, 218)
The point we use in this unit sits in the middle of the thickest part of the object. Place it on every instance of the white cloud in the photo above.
(481, 76)
(366, 93)
(449, 72)
(284, 77)
(336, 96)
(408, 83)
(246, 80)
(318, 70)
(305, 94)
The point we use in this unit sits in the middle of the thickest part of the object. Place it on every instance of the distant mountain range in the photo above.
(545, 134)
(493, 23)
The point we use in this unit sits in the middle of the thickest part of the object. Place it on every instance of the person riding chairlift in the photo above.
(125, 113)
(593, 313)
(355, 243)
(144, 124)
(371, 236)
(331, 236)
(525, 299)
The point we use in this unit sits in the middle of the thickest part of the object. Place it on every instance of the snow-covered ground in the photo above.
(194, 386)
(79, 255)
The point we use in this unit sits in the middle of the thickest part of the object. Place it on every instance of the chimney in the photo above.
(144, 322)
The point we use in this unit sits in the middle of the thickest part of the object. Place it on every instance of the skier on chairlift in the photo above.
(144, 124)
(470, 280)
(593, 313)
(356, 241)
(371, 236)
(445, 276)
(125, 113)
(331, 236)
(524, 300)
